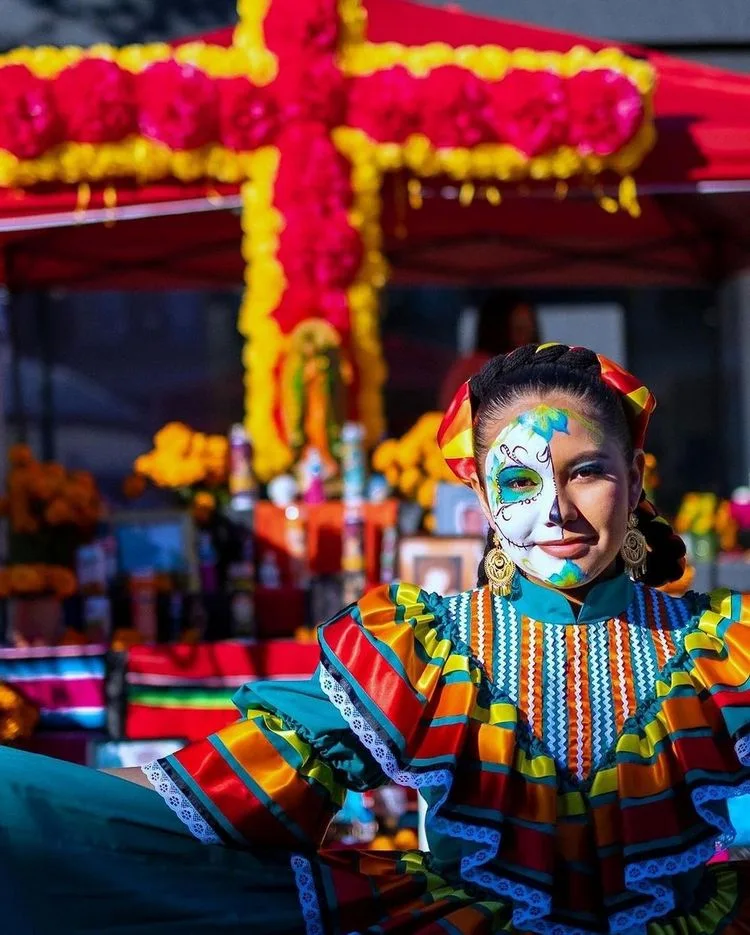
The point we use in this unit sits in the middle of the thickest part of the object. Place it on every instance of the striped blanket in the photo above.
(66, 683)
(186, 691)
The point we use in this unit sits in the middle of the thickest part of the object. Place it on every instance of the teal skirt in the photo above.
(84, 852)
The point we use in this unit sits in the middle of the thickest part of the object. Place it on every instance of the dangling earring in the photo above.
(634, 551)
(500, 570)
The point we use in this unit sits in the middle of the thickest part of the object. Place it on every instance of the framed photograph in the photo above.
(441, 564)
(457, 512)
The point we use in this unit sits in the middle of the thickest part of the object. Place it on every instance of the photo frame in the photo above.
(442, 565)
(458, 513)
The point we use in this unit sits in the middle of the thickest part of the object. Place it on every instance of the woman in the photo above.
(577, 735)
(505, 321)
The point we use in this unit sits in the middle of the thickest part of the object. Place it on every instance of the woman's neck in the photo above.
(576, 597)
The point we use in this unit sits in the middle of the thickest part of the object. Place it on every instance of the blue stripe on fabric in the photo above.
(62, 667)
(89, 720)
(638, 640)
(600, 691)
(555, 727)
(528, 873)
(681, 840)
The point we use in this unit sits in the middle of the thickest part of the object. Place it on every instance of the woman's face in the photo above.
(558, 491)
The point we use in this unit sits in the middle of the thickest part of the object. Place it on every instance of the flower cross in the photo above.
(306, 115)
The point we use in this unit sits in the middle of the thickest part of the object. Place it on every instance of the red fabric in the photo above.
(237, 662)
(151, 722)
(703, 124)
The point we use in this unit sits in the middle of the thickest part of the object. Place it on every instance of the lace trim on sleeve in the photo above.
(341, 701)
(308, 897)
(179, 803)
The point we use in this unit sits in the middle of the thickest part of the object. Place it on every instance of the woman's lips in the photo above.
(573, 548)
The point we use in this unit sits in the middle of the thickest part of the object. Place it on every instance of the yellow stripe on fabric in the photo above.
(501, 712)
(536, 767)
(643, 743)
(677, 679)
(458, 663)
(605, 782)
(570, 805)
(268, 767)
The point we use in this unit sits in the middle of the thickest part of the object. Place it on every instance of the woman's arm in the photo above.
(131, 773)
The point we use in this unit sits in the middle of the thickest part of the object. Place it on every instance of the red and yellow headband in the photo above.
(456, 433)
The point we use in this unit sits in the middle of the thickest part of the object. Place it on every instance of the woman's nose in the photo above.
(562, 511)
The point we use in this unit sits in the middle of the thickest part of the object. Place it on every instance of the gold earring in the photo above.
(500, 570)
(634, 551)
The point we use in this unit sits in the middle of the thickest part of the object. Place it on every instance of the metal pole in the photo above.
(18, 415)
(47, 363)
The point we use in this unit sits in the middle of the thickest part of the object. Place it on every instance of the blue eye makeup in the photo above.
(517, 483)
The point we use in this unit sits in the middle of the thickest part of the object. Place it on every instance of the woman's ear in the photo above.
(476, 486)
(635, 478)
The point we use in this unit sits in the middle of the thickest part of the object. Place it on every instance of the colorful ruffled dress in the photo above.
(580, 774)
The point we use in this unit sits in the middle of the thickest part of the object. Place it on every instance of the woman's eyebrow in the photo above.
(596, 454)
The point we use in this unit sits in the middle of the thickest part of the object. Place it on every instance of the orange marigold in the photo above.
(26, 579)
(204, 506)
(134, 486)
(59, 512)
(61, 581)
(20, 455)
(84, 479)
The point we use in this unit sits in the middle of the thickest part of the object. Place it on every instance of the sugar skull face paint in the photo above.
(523, 497)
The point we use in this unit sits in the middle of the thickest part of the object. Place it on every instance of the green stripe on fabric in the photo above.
(218, 700)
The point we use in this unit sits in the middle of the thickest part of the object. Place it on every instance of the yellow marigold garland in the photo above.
(249, 56)
(265, 284)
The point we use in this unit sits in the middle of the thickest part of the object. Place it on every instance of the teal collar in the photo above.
(605, 600)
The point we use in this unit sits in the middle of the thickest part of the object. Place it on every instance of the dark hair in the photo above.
(533, 370)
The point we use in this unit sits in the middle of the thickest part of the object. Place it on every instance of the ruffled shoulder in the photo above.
(390, 666)
(719, 654)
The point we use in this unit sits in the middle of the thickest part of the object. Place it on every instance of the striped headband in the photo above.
(456, 433)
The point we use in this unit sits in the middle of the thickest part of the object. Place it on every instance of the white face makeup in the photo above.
(522, 495)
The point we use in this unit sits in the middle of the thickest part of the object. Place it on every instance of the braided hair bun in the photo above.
(666, 550)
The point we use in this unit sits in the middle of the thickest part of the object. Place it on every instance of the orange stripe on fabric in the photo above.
(307, 807)
(622, 698)
(629, 687)
(242, 809)
(536, 650)
(488, 647)
(473, 618)
(523, 680)
(579, 702)
(658, 636)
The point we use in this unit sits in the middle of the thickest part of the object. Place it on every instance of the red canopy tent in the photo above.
(323, 137)
(694, 190)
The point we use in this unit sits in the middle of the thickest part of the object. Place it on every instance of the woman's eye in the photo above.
(521, 483)
(517, 483)
(589, 470)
